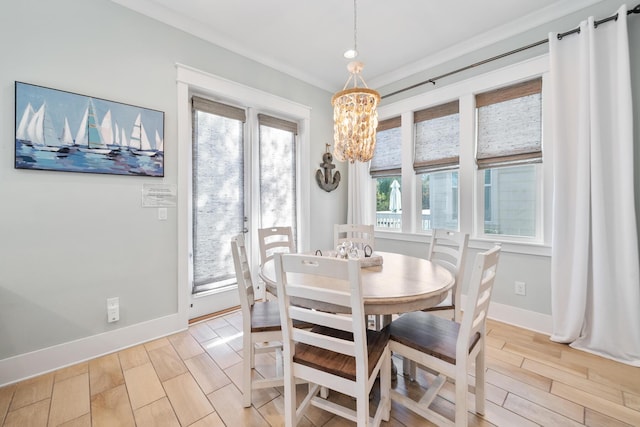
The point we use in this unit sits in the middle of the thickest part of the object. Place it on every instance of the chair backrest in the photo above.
(274, 240)
(472, 327)
(449, 249)
(326, 281)
(359, 234)
(243, 275)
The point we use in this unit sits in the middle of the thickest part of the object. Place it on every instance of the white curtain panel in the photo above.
(359, 198)
(595, 275)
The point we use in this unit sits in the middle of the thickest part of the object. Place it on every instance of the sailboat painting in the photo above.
(64, 131)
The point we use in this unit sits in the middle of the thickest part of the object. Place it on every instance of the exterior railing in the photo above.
(393, 220)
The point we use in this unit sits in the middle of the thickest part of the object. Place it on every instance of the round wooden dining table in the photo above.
(400, 285)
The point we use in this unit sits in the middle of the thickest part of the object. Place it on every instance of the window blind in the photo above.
(437, 138)
(217, 190)
(219, 109)
(387, 157)
(510, 125)
(277, 147)
(277, 123)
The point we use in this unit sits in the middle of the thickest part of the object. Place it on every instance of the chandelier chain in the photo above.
(355, 25)
(355, 117)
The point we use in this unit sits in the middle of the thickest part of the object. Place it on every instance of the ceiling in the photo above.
(395, 39)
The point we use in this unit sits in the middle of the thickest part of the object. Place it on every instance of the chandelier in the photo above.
(355, 117)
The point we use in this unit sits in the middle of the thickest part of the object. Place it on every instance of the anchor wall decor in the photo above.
(325, 179)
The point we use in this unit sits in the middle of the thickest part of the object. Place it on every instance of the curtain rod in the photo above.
(511, 52)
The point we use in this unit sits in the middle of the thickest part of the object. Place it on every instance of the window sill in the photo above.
(525, 248)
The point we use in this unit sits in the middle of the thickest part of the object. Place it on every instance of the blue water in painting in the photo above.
(122, 162)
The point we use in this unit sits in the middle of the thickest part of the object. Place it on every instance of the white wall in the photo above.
(68, 241)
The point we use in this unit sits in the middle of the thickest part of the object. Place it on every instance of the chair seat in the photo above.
(265, 316)
(337, 363)
(428, 334)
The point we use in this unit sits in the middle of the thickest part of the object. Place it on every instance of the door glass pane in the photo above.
(277, 178)
(439, 200)
(389, 202)
(218, 198)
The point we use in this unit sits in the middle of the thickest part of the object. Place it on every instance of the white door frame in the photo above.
(190, 80)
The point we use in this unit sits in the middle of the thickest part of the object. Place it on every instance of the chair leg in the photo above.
(409, 368)
(252, 351)
(247, 362)
(385, 386)
(480, 380)
(462, 387)
(324, 392)
(290, 418)
(362, 407)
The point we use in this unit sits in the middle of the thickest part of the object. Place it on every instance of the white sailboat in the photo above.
(81, 136)
(106, 130)
(89, 137)
(66, 138)
(139, 142)
(123, 140)
(116, 136)
(21, 131)
(41, 133)
(159, 143)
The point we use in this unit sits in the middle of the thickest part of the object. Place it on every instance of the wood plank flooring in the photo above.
(193, 379)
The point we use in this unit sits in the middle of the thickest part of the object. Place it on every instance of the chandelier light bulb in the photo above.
(350, 54)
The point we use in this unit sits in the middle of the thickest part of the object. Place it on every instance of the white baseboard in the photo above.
(520, 317)
(49, 359)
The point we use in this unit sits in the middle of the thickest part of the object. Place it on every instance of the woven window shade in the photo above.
(277, 123)
(219, 109)
(437, 138)
(277, 160)
(510, 125)
(387, 157)
(218, 157)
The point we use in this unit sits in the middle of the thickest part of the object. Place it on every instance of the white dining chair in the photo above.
(274, 240)
(449, 348)
(360, 235)
(261, 327)
(339, 352)
(448, 248)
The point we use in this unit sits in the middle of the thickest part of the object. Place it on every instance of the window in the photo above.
(509, 145)
(277, 172)
(385, 169)
(217, 196)
(436, 159)
(471, 159)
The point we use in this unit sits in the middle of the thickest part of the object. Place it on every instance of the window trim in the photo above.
(465, 90)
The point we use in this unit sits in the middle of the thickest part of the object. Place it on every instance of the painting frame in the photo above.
(58, 130)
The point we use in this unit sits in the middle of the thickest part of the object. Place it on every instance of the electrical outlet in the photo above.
(520, 288)
(113, 309)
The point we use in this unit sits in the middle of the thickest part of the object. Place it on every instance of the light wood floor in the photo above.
(193, 379)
